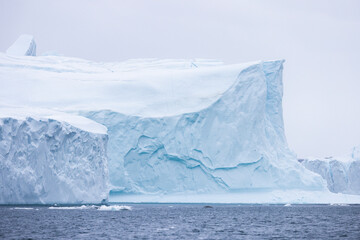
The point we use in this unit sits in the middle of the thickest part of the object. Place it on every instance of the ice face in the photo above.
(23, 46)
(48, 161)
(234, 144)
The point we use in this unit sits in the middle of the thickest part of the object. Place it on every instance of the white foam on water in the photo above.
(114, 208)
(23, 208)
(339, 204)
(82, 207)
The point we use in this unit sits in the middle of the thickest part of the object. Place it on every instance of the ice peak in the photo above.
(24, 46)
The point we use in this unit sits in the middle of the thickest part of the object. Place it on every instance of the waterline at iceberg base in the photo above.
(293, 196)
(147, 130)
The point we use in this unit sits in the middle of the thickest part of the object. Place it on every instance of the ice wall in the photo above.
(342, 174)
(50, 161)
(23, 46)
(236, 143)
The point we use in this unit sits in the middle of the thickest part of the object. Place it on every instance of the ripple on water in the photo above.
(182, 221)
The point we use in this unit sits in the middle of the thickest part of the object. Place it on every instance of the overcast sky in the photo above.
(320, 41)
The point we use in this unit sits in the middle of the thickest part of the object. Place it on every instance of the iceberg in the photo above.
(49, 157)
(341, 173)
(23, 46)
(76, 131)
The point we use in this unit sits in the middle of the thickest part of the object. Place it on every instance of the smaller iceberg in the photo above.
(341, 173)
(24, 46)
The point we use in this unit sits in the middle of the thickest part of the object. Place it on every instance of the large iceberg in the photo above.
(235, 143)
(342, 174)
(47, 157)
(170, 128)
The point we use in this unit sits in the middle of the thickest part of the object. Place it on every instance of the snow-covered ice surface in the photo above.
(342, 174)
(23, 46)
(176, 129)
(148, 88)
(22, 113)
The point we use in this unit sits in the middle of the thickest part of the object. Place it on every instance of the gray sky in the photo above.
(320, 41)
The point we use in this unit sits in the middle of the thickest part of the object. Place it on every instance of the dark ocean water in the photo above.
(182, 221)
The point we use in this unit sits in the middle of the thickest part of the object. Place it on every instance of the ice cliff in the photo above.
(44, 160)
(342, 174)
(236, 143)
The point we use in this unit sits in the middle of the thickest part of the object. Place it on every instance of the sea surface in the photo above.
(181, 221)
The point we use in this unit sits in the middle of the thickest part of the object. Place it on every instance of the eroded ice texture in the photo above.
(237, 143)
(48, 161)
(342, 174)
(23, 46)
